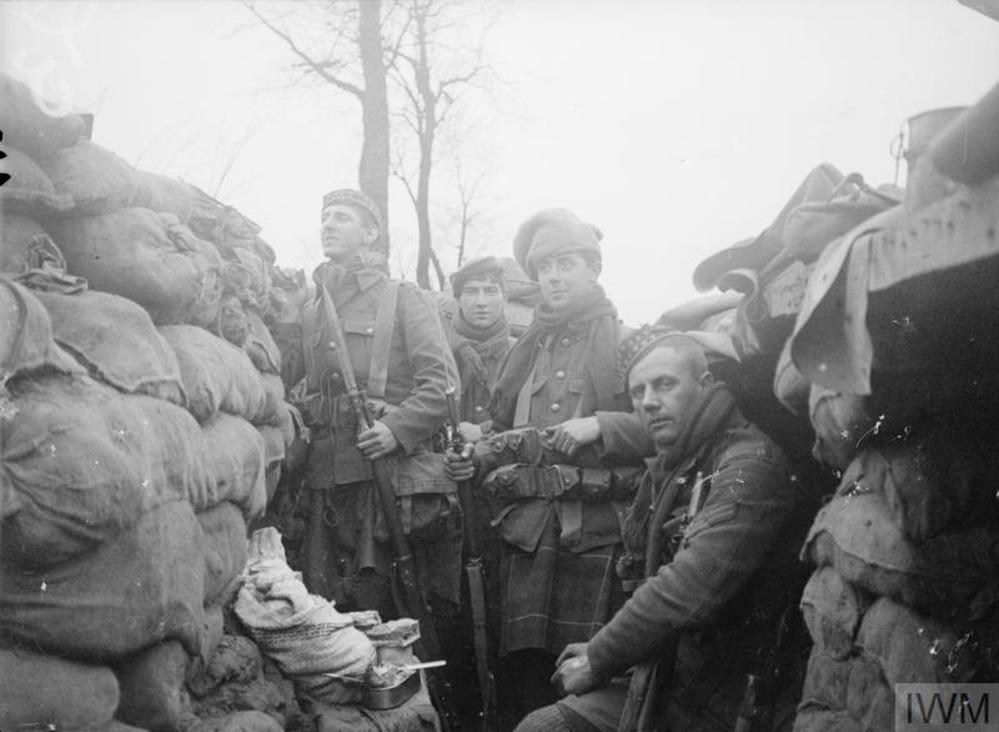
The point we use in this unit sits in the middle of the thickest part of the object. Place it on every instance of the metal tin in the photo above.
(390, 697)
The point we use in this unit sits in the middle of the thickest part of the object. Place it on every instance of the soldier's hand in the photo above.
(574, 674)
(377, 441)
(459, 467)
(573, 434)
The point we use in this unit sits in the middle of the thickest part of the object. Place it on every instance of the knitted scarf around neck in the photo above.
(474, 346)
(594, 312)
(714, 411)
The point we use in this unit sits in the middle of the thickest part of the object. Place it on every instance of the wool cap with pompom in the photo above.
(717, 347)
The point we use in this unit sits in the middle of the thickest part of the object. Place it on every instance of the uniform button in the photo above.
(369, 330)
(331, 345)
(560, 374)
(478, 408)
(555, 407)
(566, 341)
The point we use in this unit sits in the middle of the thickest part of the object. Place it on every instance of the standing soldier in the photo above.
(560, 378)
(399, 354)
(481, 338)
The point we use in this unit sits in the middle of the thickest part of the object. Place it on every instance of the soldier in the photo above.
(558, 584)
(481, 339)
(399, 353)
(710, 555)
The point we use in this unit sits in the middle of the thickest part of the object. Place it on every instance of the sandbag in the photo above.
(151, 682)
(26, 342)
(97, 180)
(28, 124)
(233, 324)
(273, 412)
(81, 462)
(232, 462)
(28, 191)
(842, 422)
(949, 577)
(163, 194)
(117, 342)
(236, 658)
(832, 610)
(303, 633)
(790, 386)
(217, 376)
(260, 345)
(143, 586)
(47, 692)
(247, 277)
(225, 550)
(149, 258)
(273, 444)
(24, 245)
(913, 649)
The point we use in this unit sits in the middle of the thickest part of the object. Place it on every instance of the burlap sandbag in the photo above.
(950, 577)
(274, 412)
(844, 695)
(217, 376)
(26, 342)
(832, 610)
(29, 191)
(117, 342)
(232, 462)
(790, 386)
(24, 245)
(842, 422)
(31, 126)
(260, 345)
(149, 258)
(151, 682)
(48, 692)
(233, 324)
(163, 194)
(247, 277)
(225, 550)
(273, 444)
(81, 462)
(96, 179)
(303, 633)
(914, 649)
(144, 585)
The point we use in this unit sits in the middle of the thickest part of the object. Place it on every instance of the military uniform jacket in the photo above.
(720, 584)
(419, 370)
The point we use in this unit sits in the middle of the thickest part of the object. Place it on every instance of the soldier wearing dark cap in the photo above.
(711, 559)
(481, 337)
(561, 379)
(400, 356)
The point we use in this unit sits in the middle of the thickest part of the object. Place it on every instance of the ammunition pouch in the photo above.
(426, 500)
(566, 482)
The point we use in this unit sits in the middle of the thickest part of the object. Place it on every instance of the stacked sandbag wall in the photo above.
(142, 418)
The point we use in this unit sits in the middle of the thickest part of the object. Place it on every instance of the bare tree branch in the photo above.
(316, 66)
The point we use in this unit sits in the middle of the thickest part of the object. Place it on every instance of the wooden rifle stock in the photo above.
(409, 598)
(473, 568)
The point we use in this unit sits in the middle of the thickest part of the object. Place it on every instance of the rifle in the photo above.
(473, 569)
(757, 707)
(407, 594)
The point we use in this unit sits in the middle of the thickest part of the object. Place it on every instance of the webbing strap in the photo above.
(382, 343)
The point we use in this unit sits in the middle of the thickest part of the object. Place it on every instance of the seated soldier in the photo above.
(708, 556)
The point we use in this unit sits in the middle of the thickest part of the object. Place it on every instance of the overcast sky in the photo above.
(677, 127)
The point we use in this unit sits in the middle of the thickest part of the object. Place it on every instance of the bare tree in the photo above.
(433, 76)
(343, 43)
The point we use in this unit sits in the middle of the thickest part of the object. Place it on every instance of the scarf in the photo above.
(599, 316)
(340, 275)
(473, 346)
(654, 501)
